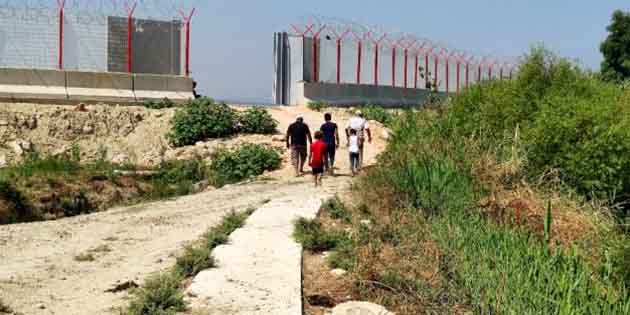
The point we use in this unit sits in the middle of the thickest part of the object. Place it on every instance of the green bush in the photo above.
(378, 113)
(337, 209)
(164, 103)
(316, 105)
(314, 237)
(14, 206)
(231, 166)
(257, 120)
(159, 295)
(194, 260)
(202, 119)
(176, 171)
(570, 121)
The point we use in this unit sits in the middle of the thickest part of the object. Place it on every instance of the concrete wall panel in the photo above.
(385, 66)
(367, 64)
(99, 86)
(349, 55)
(328, 60)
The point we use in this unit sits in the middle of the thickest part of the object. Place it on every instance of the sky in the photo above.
(232, 40)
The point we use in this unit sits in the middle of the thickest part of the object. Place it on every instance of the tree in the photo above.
(616, 48)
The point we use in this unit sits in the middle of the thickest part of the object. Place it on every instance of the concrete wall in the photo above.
(355, 94)
(54, 86)
(85, 43)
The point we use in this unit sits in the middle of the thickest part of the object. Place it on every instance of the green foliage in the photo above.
(616, 48)
(194, 260)
(257, 120)
(337, 209)
(317, 106)
(159, 295)
(378, 113)
(505, 270)
(231, 166)
(571, 122)
(314, 237)
(34, 164)
(164, 103)
(202, 119)
(176, 171)
(16, 207)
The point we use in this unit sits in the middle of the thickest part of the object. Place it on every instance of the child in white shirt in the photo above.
(353, 148)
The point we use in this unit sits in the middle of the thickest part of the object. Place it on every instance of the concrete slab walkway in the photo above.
(259, 271)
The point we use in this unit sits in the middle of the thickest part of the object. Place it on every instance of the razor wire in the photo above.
(441, 57)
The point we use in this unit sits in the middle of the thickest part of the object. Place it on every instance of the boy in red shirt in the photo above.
(316, 160)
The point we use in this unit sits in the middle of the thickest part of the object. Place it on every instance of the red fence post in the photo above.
(130, 12)
(393, 66)
(62, 5)
(376, 49)
(339, 39)
(359, 40)
(187, 18)
(435, 69)
(415, 72)
(316, 54)
(479, 71)
(406, 63)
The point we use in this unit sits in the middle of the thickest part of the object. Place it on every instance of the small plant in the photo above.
(202, 119)
(337, 209)
(314, 237)
(18, 208)
(83, 257)
(257, 120)
(380, 114)
(317, 106)
(231, 166)
(164, 103)
(159, 295)
(194, 260)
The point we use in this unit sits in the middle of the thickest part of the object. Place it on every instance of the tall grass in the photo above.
(426, 183)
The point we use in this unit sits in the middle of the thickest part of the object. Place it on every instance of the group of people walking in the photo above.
(323, 150)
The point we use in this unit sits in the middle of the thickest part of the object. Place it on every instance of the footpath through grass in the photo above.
(454, 219)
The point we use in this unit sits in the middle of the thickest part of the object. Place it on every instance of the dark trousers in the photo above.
(329, 156)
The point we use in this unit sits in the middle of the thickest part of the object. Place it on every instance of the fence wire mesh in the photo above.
(143, 36)
(349, 52)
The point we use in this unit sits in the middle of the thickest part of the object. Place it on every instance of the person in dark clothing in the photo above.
(195, 90)
(297, 136)
(331, 138)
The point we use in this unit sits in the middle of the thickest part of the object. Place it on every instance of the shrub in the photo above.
(5, 308)
(176, 171)
(571, 121)
(314, 237)
(202, 119)
(14, 207)
(231, 166)
(380, 114)
(164, 103)
(257, 120)
(159, 295)
(337, 209)
(194, 260)
(317, 105)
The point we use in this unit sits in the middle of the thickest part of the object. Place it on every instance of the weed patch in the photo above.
(160, 295)
(202, 119)
(317, 106)
(161, 104)
(5, 309)
(231, 166)
(256, 120)
(337, 209)
(314, 237)
(83, 257)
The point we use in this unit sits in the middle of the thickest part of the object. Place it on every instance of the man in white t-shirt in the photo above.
(360, 125)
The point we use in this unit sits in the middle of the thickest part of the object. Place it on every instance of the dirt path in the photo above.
(40, 275)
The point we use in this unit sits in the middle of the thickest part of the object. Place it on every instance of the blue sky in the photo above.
(232, 40)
